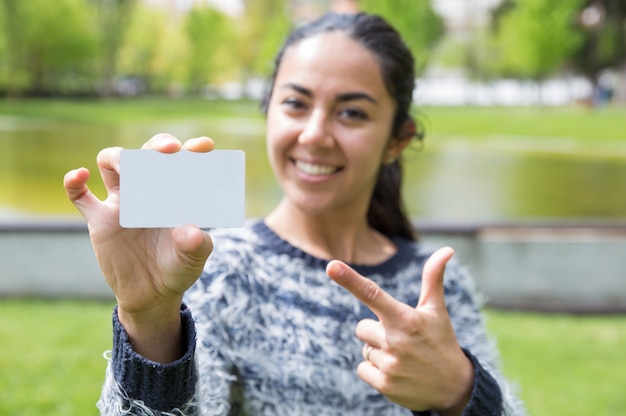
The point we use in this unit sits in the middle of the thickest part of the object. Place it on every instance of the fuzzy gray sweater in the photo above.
(271, 334)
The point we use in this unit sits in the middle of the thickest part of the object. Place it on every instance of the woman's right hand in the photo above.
(148, 269)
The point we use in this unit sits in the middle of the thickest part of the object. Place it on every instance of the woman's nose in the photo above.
(316, 131)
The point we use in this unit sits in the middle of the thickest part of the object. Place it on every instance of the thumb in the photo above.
(193, 243)
(432, 293)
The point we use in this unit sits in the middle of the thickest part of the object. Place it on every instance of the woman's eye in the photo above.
(293, 103)
(354, 114)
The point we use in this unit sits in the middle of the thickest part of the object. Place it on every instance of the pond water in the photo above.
(455, 180)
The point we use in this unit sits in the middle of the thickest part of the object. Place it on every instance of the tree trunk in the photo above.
(619, 96)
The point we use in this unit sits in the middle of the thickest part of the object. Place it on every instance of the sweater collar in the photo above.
(406, 252)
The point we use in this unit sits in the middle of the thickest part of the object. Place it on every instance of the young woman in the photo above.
(327, 306)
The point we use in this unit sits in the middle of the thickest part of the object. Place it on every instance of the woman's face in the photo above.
(328, 124)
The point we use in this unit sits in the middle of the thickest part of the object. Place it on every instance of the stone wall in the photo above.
(573, 268)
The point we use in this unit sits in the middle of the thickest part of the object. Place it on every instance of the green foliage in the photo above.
(47, 44)
(113, 18)
(536, 37)
(477, 53)
(416, 21)
(68, 46)
(605, 43)
(4, 70)
(608, 43)
(264, 27)
(144, 54)
(210, 39)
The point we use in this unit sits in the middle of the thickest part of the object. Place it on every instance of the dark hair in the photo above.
(386, 212)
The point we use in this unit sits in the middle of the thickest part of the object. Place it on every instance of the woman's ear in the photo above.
(408, 129)
(406, 133)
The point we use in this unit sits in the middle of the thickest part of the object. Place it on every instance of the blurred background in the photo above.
(523, 169)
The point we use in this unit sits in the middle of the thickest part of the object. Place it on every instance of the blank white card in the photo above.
(167, 190)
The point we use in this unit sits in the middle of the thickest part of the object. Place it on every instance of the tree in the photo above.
(11, 46)
(264, 27)
(210, 38)
(536, 37)
(539, 37)
(416, 21)
(113, 17)
(49, 45)
(604, 45)
(154, 44)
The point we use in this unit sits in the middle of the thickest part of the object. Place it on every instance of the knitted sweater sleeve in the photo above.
(135, 385)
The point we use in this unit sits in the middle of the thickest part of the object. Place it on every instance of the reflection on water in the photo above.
(34, 158)
(478, 184)
(449, 181)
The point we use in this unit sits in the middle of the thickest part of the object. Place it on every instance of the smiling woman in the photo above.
(292, 287)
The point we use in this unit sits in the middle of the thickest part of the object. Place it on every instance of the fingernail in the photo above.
(164, 139)
(337, 268)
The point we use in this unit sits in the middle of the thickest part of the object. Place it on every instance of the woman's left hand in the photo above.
(411, 354)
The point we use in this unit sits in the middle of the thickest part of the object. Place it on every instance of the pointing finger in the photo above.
(432, 294)
(364, 289)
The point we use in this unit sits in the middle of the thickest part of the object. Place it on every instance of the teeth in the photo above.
(311, 169)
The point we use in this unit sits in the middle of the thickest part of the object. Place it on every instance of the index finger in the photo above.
(364, 289)
(163, 142)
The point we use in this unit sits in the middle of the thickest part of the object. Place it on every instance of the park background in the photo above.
(524, 105)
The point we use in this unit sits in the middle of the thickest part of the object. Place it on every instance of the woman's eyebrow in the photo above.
(298, 88)
(347, 96)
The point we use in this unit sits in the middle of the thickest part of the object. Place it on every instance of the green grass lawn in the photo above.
(530, 123)
(51, 358)
(564, 365)
(578, 123)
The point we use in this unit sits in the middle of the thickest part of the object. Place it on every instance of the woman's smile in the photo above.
(315, 169)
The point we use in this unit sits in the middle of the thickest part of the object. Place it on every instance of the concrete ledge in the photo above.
(49, 260)
(549, 266)
(578, 269)
(559, 267)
